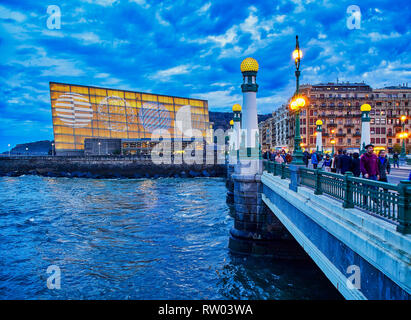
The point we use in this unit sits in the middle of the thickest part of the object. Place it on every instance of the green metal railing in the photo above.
(386, 200)
(277, 169)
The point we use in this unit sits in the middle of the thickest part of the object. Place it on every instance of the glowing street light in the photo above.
(332, 144)
(403, 135)
(296, 104)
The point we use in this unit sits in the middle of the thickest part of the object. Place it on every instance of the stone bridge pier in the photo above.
(256, 230)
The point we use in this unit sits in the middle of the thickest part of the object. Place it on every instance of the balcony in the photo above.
(357, 134)
(340, 134)
(349, 125)
(332, 125)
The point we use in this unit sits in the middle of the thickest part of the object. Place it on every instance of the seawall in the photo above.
(104, 167)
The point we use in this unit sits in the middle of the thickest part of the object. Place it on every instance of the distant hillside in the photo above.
(33, 148)
(221, 120)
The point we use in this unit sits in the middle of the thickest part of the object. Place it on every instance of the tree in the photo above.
(396, 148)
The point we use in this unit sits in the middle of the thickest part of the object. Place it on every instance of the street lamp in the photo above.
(296, 104)
(99, 144)
(52, 149)
(403, 135)
(332, 143)
(9, 148)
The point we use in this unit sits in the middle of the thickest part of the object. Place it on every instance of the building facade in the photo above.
(338, 106)
(389, 104)
(274, 131)
(81, 112)
(280, 128)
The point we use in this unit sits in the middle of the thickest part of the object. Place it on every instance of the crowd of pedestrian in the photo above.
(278, 156)
(369, 165)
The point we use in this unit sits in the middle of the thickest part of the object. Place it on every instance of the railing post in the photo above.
(294, 177)
(317, 180)
(404, 207)
(283, 171)
(348, 194)
(274, 168)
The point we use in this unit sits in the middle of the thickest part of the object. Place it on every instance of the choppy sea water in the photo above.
(134, 239)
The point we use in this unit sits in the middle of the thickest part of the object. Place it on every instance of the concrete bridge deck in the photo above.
(364, 256)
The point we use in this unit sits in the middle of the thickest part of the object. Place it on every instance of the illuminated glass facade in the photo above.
(81, 112)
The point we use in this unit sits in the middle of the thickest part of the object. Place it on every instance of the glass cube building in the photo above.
(81, 112)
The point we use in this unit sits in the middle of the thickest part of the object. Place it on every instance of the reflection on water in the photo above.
(134, 239)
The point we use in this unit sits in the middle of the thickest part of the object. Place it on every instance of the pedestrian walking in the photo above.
(327, 163)
(355, 164)
(384, 166)
(396, 159)
(314, 160)
(345, 162)
(369, 169)
(278, 158)
(338, 161)
(306, 157)
(368, 164)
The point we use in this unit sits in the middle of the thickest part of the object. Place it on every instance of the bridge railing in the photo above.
(389, 201)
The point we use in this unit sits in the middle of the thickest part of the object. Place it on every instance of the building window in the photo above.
(372, 140)
(383, 140)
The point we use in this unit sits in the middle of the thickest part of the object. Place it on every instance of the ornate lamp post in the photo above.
(403, 135)
(332, 143)
(296, 104)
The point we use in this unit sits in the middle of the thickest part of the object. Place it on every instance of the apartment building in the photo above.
(338, 106)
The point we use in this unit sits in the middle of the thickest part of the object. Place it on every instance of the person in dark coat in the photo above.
(327, 163)
(383, 166)
(369, 165)
(396, 159)
(338, 161)
(355, 164)
(306, 156)
(314, 160)
(345, 162)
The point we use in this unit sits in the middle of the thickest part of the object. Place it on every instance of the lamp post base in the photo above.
(298, 158)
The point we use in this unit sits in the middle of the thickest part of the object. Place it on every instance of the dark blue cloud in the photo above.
(191, 48)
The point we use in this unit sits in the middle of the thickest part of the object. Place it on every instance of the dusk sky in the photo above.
(190, 49)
